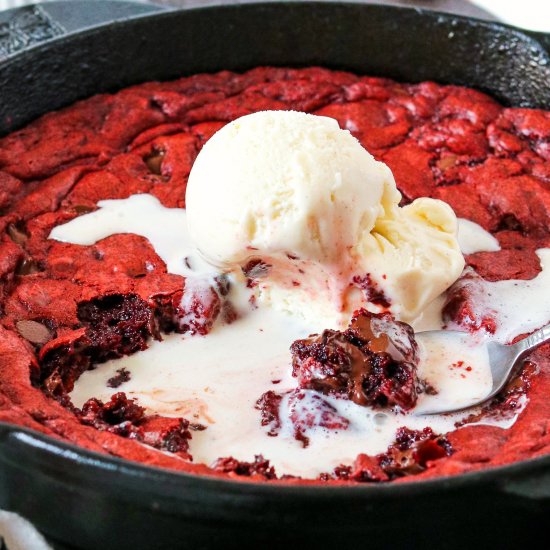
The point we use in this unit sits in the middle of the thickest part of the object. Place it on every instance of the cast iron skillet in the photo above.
(85, 500)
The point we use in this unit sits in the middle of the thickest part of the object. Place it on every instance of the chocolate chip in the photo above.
(197, 427)
(154, 161)
(223, 284)
(27, 267)
(83, 209)
(156, 105)
(98, 254)
(33, 331)
(255, 268)
(17, 233)
(53, 385)
(509, 222)
(447, 162)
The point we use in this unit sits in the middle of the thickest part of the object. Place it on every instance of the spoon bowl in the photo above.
(504, 361)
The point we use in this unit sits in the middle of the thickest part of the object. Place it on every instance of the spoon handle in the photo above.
(534, 340)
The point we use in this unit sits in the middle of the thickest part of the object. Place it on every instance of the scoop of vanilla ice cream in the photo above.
(282, 182)
(412, 253)
(303, 197)
(293, 190)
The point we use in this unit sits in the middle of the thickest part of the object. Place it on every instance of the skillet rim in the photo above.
(539, 38)
(168, 11)
(133, 470)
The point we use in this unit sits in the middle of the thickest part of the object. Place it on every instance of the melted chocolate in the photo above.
(372, 363)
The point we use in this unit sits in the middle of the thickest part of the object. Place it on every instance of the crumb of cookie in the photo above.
(260, 467)
(253, 270)
(198, 309)
(125, 417)
(464, 305)
(122, 375)
(411, 453)
(371, 291)
(116, 411)
(268, 405)
(304, 409)
(111, 327)
(309, 410)
(364, 469)
(166, 434)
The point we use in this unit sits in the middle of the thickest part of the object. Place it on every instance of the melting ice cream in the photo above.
(303, 197)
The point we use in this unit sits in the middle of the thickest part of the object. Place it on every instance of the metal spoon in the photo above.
(503, 362)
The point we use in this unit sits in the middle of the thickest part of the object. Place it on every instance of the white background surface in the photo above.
(530, 14)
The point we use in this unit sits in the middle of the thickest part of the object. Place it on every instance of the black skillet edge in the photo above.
(74, 495)
(106, 493)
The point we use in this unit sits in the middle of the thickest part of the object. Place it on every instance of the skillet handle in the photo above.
(24, 27)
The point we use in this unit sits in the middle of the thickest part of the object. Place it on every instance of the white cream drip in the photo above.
(457, 365)
(518, 306)
(473, 238)
(216, 379)
(164, 228)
